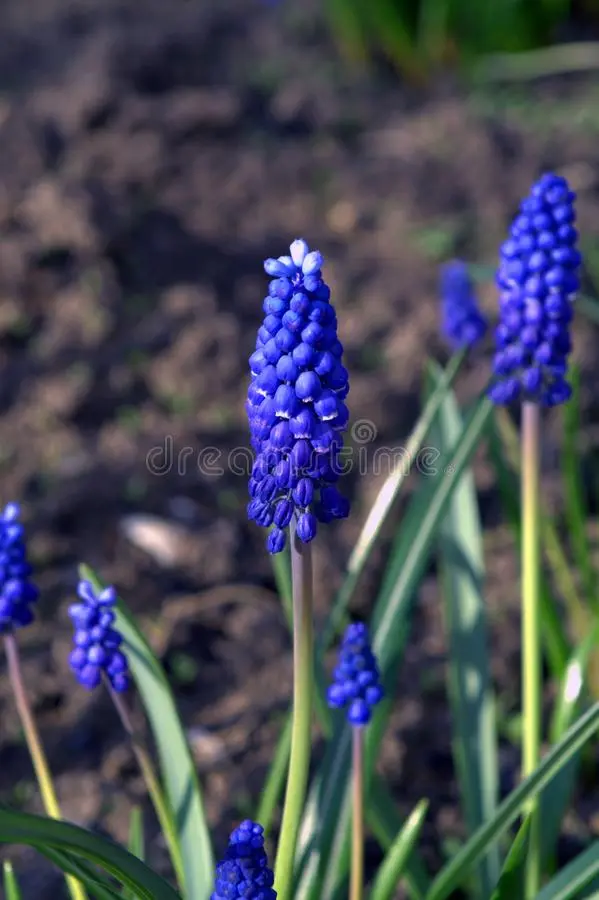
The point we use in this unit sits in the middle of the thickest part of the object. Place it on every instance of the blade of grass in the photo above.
(273, 787)
(325, 836)
(176, 762)
(576, 514)
(470, 688)
(390, 872)
(11, 887)
(98, 886)
(570, 881)
(471, 852)
(39, 832)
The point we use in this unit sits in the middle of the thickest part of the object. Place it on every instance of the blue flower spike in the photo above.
(18, 594)
(96, 642)
(244, 870)
(538, 278)
(356, 683)
(462, 322)
(296, 402)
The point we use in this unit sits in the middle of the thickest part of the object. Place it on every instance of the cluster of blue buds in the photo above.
(97, 643)
(538, 280)
(244, 871)
(356, 680)
(17, 591)
(462, 322)
(295, 404)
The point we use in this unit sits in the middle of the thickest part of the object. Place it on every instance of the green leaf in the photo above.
(470, 686)
(576, 513)
(176, 762)
(42, 833)
(11, 887)
(382, 506)
(136, 833)
(96, 883)
(577, 875)
(273, 787)
(324, 838)
(281, 564)
(391, 870)
(474, 849)
(511, 880)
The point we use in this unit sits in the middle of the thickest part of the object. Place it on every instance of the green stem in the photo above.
(531, 626)
(299, 761)
(357, 856)
(163, 813)
(36, 750)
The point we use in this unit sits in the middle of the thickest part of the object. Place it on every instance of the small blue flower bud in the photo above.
(308, 387)
(287, 370)
(303, 493)
(244, 870)
(276, 540)
(356, 682)
(306, 527)
(299, 250)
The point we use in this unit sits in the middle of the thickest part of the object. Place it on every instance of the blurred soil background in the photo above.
(152, 155)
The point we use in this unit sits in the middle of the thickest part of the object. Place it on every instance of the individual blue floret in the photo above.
(356, 680)
(296, 402)
(462, 322)
(538, 277)
(18, 594)
(244, 870)
(96, 641)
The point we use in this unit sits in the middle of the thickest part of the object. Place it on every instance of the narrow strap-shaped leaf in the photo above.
(97, 885)
(573, 878)
(324, 840)
(37, 831)
(176, 762)
(470, 687)
(273, 787)
(454, 873)
(11, 887)
(392, 868)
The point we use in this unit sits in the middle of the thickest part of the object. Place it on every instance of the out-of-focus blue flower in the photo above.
(296, 402)
(356, 680)
(96, 641)
(538, 280)
(17, 592)
(462, 322)
(244, 870)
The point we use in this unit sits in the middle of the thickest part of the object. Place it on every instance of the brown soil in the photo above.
(151, 156)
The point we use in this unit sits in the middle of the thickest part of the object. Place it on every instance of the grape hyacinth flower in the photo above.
(462, 322)
(295, 404)
(96, 642)
(244, 871)
(538, 277)
(356, 680)
(17, 591)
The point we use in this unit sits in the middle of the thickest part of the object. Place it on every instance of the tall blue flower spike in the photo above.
(296, 402)
(462, 322)
(538, 277)
(356, 680)
(96, 642)
(18, 594)
(244, 871)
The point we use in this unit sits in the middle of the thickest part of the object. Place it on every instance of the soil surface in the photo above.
(152, 155)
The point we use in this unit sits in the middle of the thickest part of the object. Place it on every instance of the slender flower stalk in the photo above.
(18, 596)
(152, 782)
(297, 415)
(538, 280)
(299, 760)
(356, 687)
(531, 622)
(35, 747)
(357, 856)
(97, 656)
